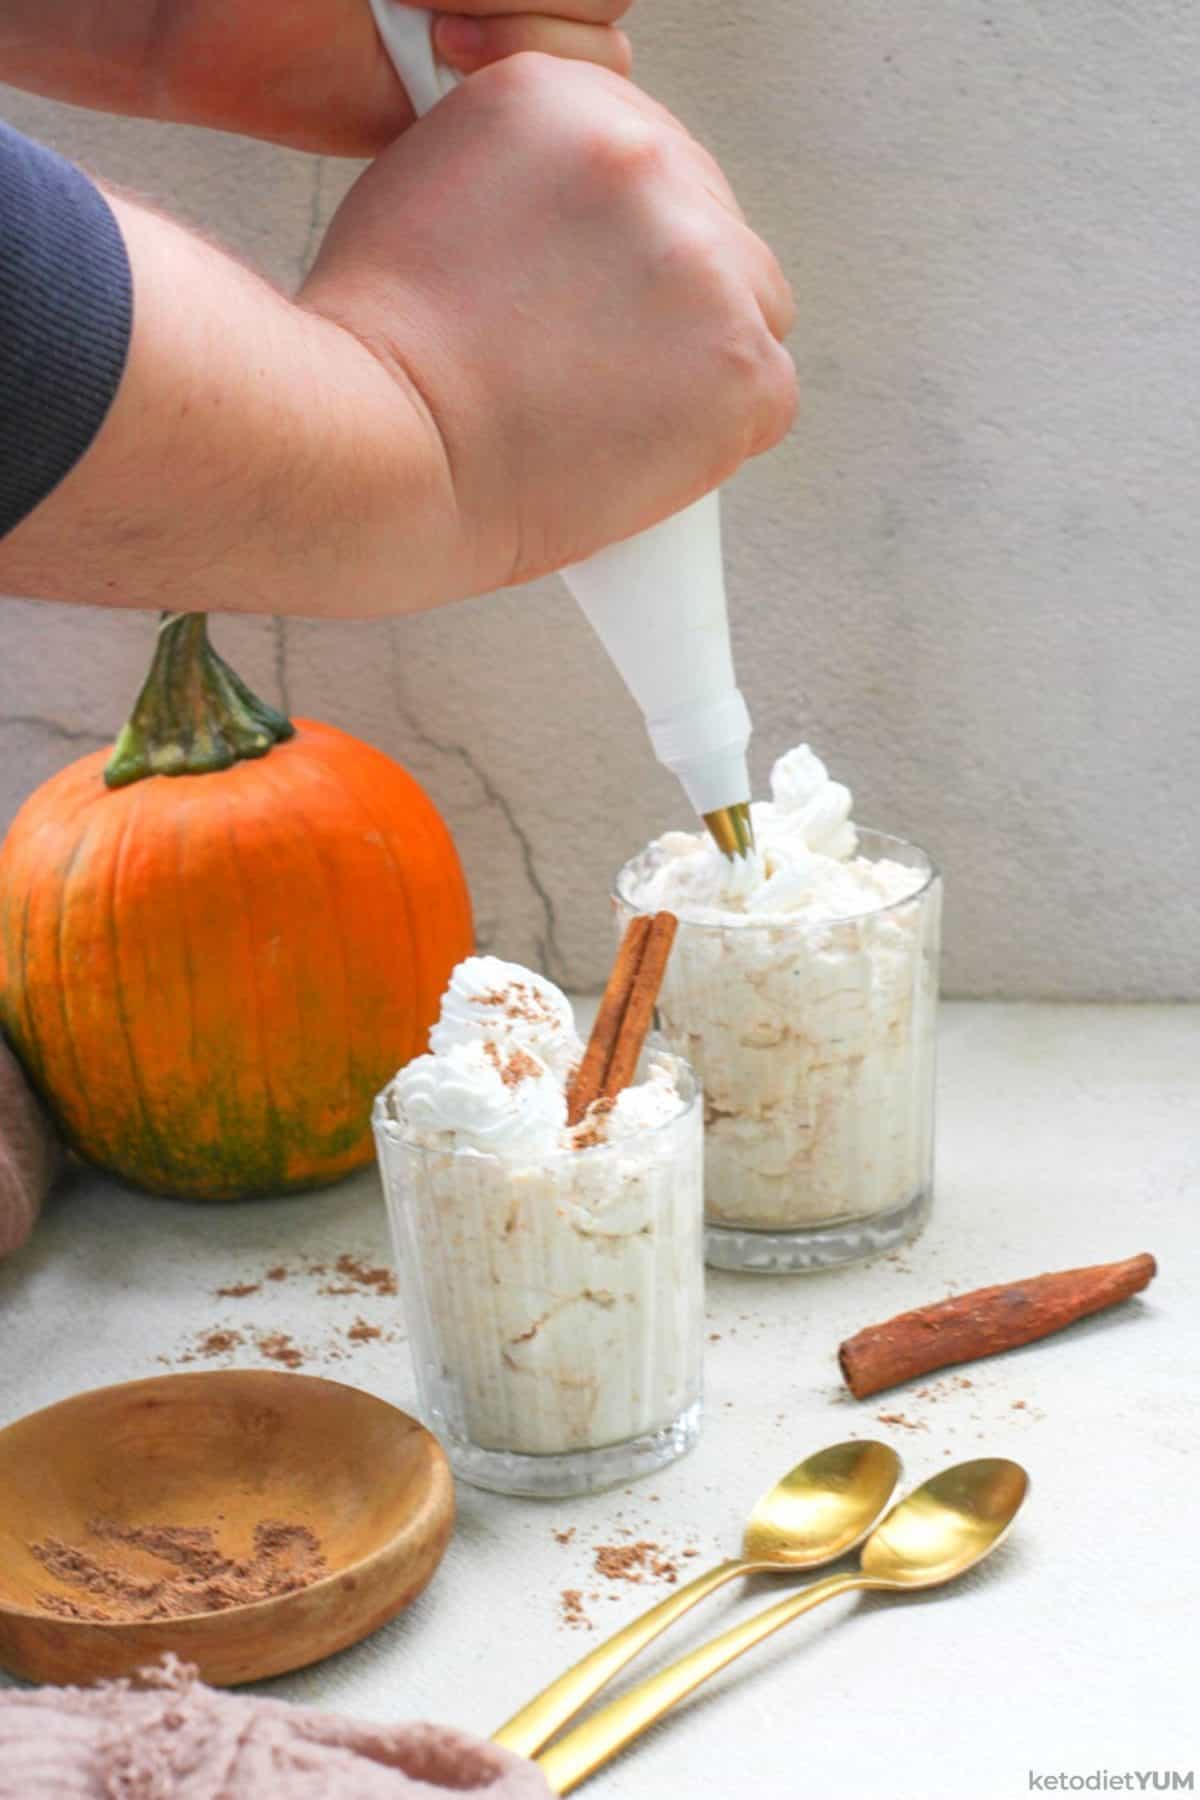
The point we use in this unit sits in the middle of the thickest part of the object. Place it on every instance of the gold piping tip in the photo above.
(731, 829)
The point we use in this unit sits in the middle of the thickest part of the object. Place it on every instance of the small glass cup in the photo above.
(814, 1044)
(555, 1309)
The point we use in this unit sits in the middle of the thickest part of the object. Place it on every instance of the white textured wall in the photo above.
(971, 576)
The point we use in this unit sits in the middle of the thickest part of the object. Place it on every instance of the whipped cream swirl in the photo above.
(500, 1060)
(805, 861)
(646, 1106)
(510, 1006)
(496, 1098)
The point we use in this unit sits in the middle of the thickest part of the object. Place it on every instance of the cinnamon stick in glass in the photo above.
(626, 1010)
(639, 1011)
(984, 1323)
(589, 1076)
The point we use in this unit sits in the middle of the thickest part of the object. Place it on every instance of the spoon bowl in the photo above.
(223, 1451)
(947, 1525)
(823, 1507)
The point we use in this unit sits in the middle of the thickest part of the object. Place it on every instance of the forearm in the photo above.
(255, 458)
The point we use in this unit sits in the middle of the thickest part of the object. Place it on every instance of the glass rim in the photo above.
(385, 1125)
(772, 921)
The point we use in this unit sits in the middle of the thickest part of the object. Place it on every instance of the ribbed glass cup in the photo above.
(815, 1047)
(555, 1309)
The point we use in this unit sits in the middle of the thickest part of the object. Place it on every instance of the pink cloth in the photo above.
(30, 1156)
(165, 1736)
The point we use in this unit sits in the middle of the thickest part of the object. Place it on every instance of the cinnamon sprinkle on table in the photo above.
(895, 1418)
(633, 1562)
(280, 1347)
(378, 1278)
(351, 1275)
(361, 1333)
(572, 1608)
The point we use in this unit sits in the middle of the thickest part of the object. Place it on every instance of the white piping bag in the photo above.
(656, 601)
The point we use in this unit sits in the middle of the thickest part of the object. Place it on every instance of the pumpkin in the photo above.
(218, 947)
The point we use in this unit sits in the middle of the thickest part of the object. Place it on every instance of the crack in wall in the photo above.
(280, 638)
(549, 952)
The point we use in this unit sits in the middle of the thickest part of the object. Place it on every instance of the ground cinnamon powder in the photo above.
(362, 1277)
(571, 1601)
(362, 1332)
(348, 1274)
(280, 1347)
(633, 1562)
(200, 1577)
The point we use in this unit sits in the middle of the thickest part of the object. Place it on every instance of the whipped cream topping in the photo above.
(644, 1107)
(805, 862)
(500, 1060)
(510, 1007)
(498, 1098)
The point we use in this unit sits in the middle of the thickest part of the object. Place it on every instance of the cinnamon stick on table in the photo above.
(984, 1323)
(626, 1009)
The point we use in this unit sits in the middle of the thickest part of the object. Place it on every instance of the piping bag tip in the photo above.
(731, 829)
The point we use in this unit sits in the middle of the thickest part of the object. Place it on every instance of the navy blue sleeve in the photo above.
(66, 309)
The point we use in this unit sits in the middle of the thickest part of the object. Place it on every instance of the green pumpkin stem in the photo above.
(193, 715)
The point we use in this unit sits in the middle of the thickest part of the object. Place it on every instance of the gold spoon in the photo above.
(824, 1507)
(939, 1532)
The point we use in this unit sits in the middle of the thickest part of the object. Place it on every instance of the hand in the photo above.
(311, 73)
(314, 74)
(561, 279)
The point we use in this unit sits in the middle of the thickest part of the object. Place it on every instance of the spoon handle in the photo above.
(576, 1755)
(537, 1722)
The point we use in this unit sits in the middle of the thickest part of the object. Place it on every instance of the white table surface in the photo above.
(1067, 1135)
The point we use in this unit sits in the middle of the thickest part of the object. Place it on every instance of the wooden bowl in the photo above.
(226, 1449)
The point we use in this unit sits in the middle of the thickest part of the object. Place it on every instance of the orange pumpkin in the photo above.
(215, 952)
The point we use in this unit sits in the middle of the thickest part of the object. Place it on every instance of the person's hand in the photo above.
(561, 280)
(311, 73)
(314, 74)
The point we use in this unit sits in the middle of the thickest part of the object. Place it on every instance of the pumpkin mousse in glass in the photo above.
(550, 1258)
(803, 990)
